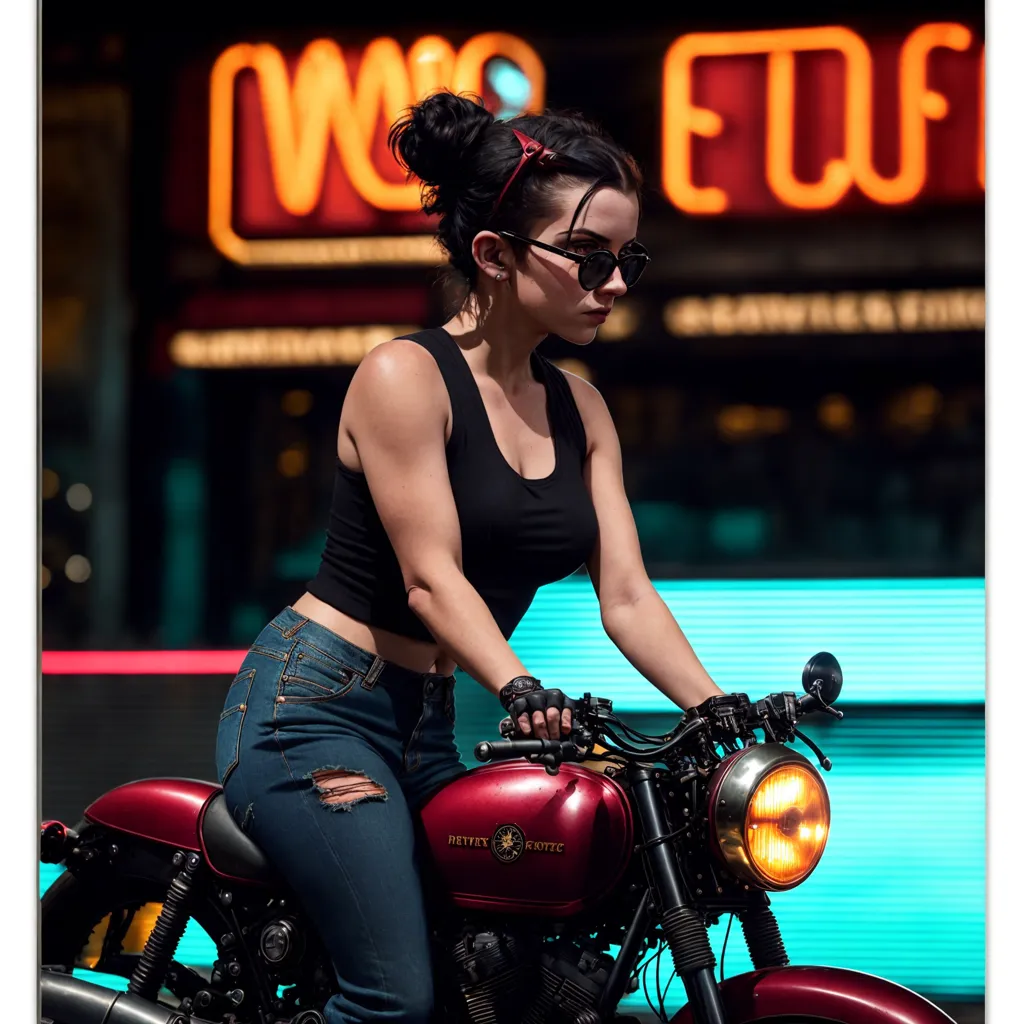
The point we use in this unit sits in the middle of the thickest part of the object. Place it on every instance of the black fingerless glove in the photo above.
(524, 695)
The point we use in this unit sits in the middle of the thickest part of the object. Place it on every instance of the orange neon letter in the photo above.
(918, 104)
(321, 104)
(781, 115)
(681, 119)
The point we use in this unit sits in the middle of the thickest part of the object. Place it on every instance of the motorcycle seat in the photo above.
(228, 849)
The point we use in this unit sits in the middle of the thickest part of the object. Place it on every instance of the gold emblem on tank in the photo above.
(508, 843)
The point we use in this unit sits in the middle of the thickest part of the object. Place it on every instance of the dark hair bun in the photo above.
(437, 136)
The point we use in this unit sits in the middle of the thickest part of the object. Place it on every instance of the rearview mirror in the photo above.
(823, 677)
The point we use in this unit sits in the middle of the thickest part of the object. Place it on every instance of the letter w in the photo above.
(302, 117)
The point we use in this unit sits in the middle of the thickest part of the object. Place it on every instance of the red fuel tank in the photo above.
(511, 838)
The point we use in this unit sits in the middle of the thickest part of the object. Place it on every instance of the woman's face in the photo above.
(546, 285)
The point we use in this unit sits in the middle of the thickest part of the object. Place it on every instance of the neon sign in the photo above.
(746, 128)
(299, 169)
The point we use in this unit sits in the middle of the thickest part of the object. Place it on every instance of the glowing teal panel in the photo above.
(899, 641)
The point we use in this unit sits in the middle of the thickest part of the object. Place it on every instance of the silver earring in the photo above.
(498, 277)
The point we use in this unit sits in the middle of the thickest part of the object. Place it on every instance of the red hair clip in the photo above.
(531, 148)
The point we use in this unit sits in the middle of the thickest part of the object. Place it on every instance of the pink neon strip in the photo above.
(141, 663)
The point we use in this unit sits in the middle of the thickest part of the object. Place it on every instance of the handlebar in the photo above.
(721, 719)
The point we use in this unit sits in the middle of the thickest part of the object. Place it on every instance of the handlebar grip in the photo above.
(506, 750)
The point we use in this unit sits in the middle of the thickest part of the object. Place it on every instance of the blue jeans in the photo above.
(306, 703)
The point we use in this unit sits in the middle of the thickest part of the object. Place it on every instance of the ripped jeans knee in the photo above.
(340, 789)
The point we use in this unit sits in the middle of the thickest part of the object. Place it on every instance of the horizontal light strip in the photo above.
(141, 663)
(898, 641)
(281, 346)
(943, 309)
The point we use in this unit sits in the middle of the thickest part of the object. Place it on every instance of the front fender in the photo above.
(833, 993)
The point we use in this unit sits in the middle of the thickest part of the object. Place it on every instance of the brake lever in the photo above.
(825, 762)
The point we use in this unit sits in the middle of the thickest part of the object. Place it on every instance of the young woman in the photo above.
(470, 472)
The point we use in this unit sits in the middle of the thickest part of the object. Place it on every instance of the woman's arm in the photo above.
(633, 613)
(396, 410)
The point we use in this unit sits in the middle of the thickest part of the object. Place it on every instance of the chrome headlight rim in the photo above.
(732, 787)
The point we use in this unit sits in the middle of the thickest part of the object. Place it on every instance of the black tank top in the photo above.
(517, 533)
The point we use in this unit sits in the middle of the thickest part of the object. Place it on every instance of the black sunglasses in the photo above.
(597, 267)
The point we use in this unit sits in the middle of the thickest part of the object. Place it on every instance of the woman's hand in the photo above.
(543, 714)
(549, 724)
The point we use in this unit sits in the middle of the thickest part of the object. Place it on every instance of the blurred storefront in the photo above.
(798, 382)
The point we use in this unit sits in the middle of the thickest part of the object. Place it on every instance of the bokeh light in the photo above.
(49, 484)
(77, 568)
(293, 461)
(297, 402)
(79, 497)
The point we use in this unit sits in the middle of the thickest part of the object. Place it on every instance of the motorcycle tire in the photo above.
(75, 917)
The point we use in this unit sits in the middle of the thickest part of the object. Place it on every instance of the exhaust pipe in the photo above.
(69, 1000)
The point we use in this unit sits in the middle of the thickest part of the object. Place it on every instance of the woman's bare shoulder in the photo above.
(397, 363)
(396, 390)
(398, 372)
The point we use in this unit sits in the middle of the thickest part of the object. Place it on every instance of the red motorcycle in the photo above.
(642, 842)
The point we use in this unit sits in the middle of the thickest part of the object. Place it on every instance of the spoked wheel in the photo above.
(98, 932)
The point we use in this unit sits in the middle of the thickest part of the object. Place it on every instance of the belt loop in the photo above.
(292, 630)
(370, 681)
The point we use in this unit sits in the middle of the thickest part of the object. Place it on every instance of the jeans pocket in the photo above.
(229, 729)
(312, 675)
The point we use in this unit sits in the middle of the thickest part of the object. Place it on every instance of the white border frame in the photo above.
(19, 538)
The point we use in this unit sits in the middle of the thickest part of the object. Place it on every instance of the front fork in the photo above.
(684, 930)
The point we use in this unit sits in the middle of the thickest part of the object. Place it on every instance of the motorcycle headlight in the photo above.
(770, 815)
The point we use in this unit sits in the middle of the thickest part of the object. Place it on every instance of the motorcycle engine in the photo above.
(506, 978)
(493, 970)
